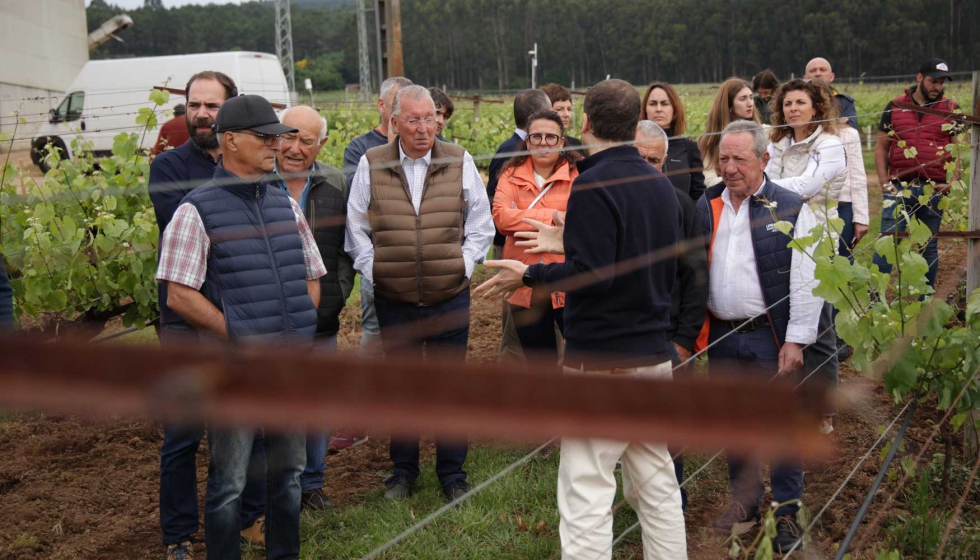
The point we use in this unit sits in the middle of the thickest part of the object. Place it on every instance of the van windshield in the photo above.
(70, 108)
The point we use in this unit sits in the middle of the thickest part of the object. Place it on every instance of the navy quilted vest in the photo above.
(256, 271)
(772, 256)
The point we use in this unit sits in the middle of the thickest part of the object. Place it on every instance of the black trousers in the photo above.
(536, 327)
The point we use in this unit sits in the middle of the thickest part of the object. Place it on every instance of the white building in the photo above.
(43, 45)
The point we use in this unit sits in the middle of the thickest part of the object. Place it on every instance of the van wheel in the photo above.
(38, 151)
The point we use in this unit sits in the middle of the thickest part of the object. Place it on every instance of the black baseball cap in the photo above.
(249, 112)
(935, 68)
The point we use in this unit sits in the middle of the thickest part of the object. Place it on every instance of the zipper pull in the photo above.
(256, 192)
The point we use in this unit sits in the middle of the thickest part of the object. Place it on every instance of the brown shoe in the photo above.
(181, 551)
(255, 534)
(737, 520)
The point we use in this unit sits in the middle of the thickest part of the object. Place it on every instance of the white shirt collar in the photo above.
(520, 133)
(402, 155)
(726, 196)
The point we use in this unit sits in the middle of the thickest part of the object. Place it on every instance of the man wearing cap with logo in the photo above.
(242, 267)
(911, 153)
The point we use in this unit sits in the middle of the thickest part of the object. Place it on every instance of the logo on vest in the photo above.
(771, 228)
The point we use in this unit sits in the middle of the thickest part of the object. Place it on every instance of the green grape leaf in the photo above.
(159, 96)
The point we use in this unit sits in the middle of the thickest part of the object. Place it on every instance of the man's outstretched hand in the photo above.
(509, 278)
(548, 239)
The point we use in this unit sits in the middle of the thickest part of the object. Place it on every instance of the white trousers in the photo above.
(587, 488)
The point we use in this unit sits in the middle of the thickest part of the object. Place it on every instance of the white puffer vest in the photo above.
(791, 161)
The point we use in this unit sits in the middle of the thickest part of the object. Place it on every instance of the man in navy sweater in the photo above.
(621, 226)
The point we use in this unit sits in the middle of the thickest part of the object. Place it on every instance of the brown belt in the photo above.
(744, 325)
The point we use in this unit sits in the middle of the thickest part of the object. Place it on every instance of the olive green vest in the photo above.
(418, 259)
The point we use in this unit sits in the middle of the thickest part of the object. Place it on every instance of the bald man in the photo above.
(321, 191)
(820, 69)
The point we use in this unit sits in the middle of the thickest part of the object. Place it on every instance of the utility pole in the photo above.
(284, 42)
(388, 19)
(973, 252)
(363, 56)
(534, 66)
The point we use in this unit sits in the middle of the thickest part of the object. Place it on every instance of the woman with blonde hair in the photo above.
(682, 166)
(734, 101)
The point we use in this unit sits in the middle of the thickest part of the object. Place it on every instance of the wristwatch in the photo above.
(527, 279)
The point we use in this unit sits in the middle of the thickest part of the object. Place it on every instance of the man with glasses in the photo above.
(428, 226)
(174, 174)
(242, 267)
(321, 191)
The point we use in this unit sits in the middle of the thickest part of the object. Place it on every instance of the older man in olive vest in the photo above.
(418, 223)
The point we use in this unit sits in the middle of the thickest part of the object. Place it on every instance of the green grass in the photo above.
(516, 517)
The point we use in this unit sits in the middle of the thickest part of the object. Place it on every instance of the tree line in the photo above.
(483, 44)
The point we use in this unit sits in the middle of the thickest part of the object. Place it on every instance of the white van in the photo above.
(105, 97)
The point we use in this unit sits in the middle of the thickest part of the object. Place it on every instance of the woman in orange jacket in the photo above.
(536, 186)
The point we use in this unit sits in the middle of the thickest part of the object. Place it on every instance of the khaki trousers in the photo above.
(587, 487)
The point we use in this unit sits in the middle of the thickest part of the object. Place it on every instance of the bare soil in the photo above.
(78, 488)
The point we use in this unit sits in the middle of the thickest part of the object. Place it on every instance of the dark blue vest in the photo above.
(772, 256)
(256, 270)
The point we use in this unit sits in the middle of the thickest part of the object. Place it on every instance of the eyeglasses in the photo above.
(429, 122)
(292, 137)
(537, 139)
(267, 139)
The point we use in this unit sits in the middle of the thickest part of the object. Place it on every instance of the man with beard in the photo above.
(173, 174)
(902, 132)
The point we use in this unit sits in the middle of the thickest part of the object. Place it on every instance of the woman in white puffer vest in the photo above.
(805, 154)
(807, 157)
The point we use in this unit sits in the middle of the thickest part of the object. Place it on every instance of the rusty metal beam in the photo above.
(278, 390)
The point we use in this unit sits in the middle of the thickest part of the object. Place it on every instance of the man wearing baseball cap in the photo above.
(242, 267)
(911, 151)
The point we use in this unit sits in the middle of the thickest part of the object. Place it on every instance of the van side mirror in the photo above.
(54, 115)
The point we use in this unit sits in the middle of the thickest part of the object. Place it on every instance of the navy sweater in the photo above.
(174, 174)
(621, 226)
(357, 148)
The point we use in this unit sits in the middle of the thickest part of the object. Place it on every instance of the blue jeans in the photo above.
(411, 331)
(316, 443)
(371, 346)
(930, 215)
(178, 467)
(227, 477)
(754, 352)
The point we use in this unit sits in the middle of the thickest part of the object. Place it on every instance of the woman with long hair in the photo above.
(734, 101)
(807, 157)
(536, 186)
(662, 105)
(805, 153)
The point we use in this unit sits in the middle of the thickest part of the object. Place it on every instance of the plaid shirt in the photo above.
(185, 246)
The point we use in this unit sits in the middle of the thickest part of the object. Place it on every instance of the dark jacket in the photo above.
(357, 148)
(256, 270)
(772, 255)
(496, 164)
(622, 224)
(689, 299)
(418, 256)
(684, 166)
(174, 174)
(326, 212)
(845, 104)
(763, 109)
(6, 299)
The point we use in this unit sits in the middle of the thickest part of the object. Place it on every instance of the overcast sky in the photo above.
(131, 4)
